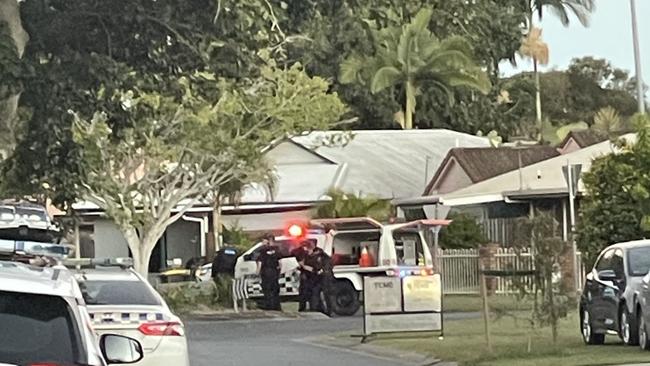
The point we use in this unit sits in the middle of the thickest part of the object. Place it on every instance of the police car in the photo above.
(120, 301)
(43, 316)
(358, 246)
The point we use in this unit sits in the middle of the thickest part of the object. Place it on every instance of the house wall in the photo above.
(570, 146)
(109, 241)
(452, 179)
(263, 222)
(183, 240)
(290, 153)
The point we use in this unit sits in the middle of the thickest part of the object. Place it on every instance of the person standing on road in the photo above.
(324, 289)
(301, 253)
(268, 268)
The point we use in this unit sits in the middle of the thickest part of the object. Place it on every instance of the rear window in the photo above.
(37, 329)
(118, 293)
(639, 261)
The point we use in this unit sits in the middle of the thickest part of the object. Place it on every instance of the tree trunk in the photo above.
(10, 14)
(141, 249)
(538, 101)
(410, 107)
(216, 223)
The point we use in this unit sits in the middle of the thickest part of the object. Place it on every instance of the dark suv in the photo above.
(610, 299)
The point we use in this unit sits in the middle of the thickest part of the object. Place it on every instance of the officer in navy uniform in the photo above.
(301, 253)
(268, 267)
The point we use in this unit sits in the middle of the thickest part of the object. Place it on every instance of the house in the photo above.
(498, 201)
(577, 140)
(385, 164)
(464, 166)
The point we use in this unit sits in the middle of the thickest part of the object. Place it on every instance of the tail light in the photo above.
(162, 329)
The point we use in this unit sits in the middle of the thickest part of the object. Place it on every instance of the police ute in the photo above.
(358, 246)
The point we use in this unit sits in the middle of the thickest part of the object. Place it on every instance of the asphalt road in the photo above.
(273, 342)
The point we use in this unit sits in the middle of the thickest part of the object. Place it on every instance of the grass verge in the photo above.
(464, 342)
(474, 303)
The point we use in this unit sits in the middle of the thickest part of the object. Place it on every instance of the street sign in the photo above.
(408, 304)
(576, 169)
(383, 294)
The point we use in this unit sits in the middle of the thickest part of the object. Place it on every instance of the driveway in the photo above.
(278, 342)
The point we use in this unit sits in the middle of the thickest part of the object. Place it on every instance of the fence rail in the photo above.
(460, 270)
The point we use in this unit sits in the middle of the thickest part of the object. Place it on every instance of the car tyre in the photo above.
(586, 328)
(644, 337)
(346, 299)
(628, 330)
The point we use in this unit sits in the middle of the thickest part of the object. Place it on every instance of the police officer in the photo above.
(301, 253)
(268, 267)
(324, 289)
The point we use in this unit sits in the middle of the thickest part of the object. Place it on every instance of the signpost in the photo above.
(396, 304)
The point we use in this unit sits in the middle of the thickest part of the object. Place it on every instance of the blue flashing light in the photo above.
(402, 273)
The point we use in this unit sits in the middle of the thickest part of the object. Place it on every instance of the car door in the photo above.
(615, 289)
(596, 290)
(607, 292)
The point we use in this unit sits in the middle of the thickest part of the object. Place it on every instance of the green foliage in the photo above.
(186, 145)
(185, 297)
(11, 68)
(342, 204)
(563, 9)
(552, 300)
(617, 203)
(463, 233)
(236, 237)
(410, 55)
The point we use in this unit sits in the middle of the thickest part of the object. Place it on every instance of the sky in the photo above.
(608, 36)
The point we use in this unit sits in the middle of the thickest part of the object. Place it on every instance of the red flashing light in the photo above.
(295, 230)
(161, 329)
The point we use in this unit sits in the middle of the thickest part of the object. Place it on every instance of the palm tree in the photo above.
(536, 49)
(581, 9)
(342, 204)
(411, 56)
(607, 122)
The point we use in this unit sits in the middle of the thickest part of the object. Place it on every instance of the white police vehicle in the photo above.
(358, 246)
(43, 316)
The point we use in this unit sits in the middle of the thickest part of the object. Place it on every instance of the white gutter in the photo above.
(204, 230)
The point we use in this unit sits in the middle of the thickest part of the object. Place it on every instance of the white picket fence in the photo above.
(460, 269)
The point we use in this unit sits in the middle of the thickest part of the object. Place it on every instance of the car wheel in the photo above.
(628, 330)
(346, 299)
(644, 340)
(588, 335)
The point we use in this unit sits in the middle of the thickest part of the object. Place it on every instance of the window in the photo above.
(617, 263)
(409, 248)
(605, 261)
(638, 261)
(37, 329)
(117, 293)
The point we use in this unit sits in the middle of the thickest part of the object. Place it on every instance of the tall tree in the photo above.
(563, 9)
(536, 49)
(410, 56)
(186, 145)
(13, 39)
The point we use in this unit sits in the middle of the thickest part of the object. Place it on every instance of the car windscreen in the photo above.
(37, 329)
(639, 261)
(117, 293)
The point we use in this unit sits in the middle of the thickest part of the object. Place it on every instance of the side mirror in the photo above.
(118, 349)
(607, 275)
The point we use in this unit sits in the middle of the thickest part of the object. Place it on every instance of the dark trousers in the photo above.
(304, 292)
(271, 291)
(323, 296)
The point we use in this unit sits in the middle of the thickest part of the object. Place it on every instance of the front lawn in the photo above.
(464, 342)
